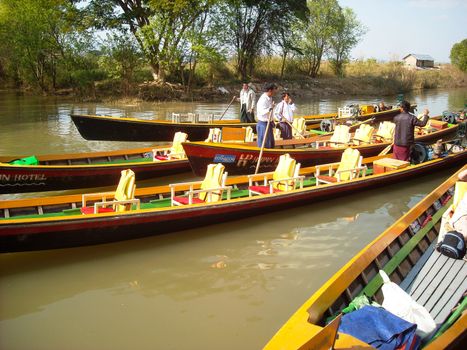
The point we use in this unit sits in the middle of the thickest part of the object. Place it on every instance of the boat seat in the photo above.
(460, 190)
(249, 135)
(340, 137)
(210, 189)
(299, 127)
(284, 178)
(434, 283)
(215, 135)
(350, 167)
(174, 152)
(385, 132)
(122, 199)
(363, 134)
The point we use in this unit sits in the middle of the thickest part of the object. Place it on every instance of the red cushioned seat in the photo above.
(162, 158)
(263, 189)
(325, 147)
(90, 210)
(185, 200)
(327, 178)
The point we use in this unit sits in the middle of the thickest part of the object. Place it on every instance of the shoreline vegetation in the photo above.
(364, 77)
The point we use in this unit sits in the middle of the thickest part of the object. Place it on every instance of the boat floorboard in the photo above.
(437, 282)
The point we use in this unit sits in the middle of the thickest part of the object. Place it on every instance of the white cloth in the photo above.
(263, 107)
(248, 98)
(285, 110)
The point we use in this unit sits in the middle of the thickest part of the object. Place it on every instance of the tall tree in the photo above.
(347, 33)
(458, 55)
(317, 31)
(159, 26)
(250, 27)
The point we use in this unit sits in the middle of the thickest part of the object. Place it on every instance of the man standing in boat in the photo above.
(264, 109)
(404, 133)
(284, 114)
(247, 104)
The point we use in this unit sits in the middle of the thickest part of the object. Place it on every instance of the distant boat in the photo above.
(83, 170)
(107, 128)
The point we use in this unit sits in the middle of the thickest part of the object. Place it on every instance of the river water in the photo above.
(227, 286)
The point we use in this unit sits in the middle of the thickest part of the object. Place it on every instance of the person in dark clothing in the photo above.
(404, 132)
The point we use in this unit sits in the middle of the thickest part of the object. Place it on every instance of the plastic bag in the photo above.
(398, 302)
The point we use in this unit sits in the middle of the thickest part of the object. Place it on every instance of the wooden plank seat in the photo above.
(437, 282)
(210, 189)
(284, 178)
(121, 200)
(174, 152)
(350, 167)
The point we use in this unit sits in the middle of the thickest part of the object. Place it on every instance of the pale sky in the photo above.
(399, 27)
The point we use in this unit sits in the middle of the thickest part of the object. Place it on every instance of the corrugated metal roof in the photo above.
(420, 57)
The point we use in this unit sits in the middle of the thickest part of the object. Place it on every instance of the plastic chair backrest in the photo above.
(350, 159)
(125, 190)
(277, 134)
(214, 135)
(249, 135)
(364, 133)
(285, 169)
(299, 126)
(459, 193)
(177, 147)
(386, 130)
(341, 134)
(213, 179)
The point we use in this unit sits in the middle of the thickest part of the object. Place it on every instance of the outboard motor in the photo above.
(326, 125)
(450, 117)
(420, 153)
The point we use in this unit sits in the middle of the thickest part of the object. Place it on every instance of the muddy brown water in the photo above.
(227, 286)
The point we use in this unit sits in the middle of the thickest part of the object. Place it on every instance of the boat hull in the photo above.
(70, 231)
(106, 128)
(242, 159)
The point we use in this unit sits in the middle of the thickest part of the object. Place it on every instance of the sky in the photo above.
(396, 28)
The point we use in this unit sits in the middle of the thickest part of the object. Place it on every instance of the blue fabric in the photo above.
(379, 328)
(261, 129)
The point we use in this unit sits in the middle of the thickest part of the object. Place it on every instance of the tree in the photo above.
(250, 27)
(459, 55)
(317, 29)
(347, 32)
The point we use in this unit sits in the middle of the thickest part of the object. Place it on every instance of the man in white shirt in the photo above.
(264, 109)
(247, 104)
(284, 114)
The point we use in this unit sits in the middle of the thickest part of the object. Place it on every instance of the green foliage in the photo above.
(459, 55)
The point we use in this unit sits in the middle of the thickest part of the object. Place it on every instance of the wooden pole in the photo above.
(386, 150)
(222, 116)
(293, 127)
(264, 139)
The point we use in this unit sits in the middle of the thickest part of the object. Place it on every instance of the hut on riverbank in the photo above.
(419, 61)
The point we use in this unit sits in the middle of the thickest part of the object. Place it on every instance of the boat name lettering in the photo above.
(224, 158)
(22, 177)
(246, 160)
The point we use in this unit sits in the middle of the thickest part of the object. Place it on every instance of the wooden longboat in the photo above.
(107, 128)
(406, 252)
(56, 222)
(242, 158)
(83, 170)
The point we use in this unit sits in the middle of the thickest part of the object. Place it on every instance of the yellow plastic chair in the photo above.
(122, 199)
(249, 135)
(340, 137)
(385, 132)
(277, 134)
(299, 127)
(350, 167)
(284, 178)
(210, 189)
(174, 152)
(215, 135)
(363, 134)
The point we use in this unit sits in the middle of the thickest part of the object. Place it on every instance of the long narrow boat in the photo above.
(405, 251)
(242, 158)
(57, 222)
(83, 170)
(107, 128)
